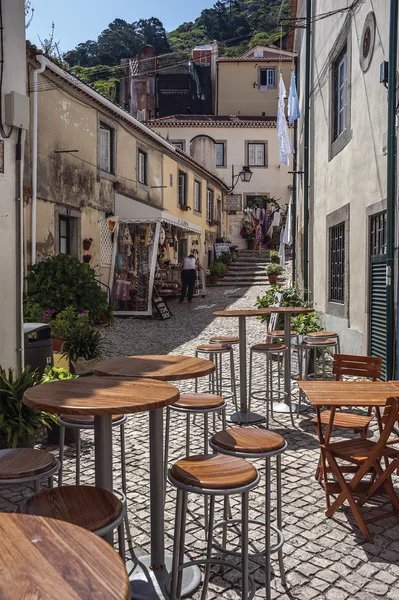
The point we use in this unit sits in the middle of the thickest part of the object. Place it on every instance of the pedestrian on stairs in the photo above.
(258, 237)
(188, 276)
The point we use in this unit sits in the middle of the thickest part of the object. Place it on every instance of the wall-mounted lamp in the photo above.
(245, 175)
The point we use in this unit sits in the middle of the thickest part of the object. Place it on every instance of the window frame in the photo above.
(197, 206)
(337, 217)
(181, 144)
(341, 47)
(336, 266)
(182, 175)
(224, 144)
(142, 154)
(340, 100)
(210, 204)
(250, 143)
(267, 70)
(104, 127)
(67, 237)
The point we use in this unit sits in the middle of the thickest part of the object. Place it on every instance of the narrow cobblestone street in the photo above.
(324, 558)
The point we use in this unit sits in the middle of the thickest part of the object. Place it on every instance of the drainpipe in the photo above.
(294, 193)
(306, 161)
(19, 216)
(36, 72)
(391, 185)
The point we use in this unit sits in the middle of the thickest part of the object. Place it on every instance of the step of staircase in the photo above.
(247, 282)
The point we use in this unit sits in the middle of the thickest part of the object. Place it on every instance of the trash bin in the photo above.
(38, 346)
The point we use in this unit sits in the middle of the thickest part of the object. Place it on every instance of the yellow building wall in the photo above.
(236, 91)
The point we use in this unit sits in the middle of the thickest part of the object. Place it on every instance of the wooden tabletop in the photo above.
(254, 312)
(161, 367)
(101, 396)
(46, 559)
(349, 393)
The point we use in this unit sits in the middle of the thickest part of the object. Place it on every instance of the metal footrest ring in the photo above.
(273, 549)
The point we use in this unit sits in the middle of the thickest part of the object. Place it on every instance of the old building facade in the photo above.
(348, 170)
(94, 158)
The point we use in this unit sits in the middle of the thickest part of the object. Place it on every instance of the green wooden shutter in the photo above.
(378, 323)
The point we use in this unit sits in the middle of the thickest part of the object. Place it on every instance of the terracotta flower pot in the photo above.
(272, 279)
(57, 344)
(213, 279)
(86, 245)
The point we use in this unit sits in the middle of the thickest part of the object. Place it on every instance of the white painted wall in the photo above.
(357, 174)
(272, 180)
(14, 80)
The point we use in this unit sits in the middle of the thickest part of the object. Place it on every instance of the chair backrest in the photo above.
(357, 366)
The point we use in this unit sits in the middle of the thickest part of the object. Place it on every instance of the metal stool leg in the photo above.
(182, 543)
(36, 486)
(268, 398)
(187, 434)
(267, 529)
(166, 455)
(233, 383)
(209, 547)
(206, 451)
(124, 486)
(176, 544)
(244, 545)
(280, 520)
(121, 541)
(251, 357)
(61, 454)
(78, 457)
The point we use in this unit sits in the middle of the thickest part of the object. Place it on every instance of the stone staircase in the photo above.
(248, 270)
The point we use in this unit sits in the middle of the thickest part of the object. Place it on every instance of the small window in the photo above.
(197, 196)
(106, 158)
(256, 155)
(65, 236)
(209, 206)
(267, 77)
(179, 144)
(340, 93)
(142, 160)
(337, 263)
(220, 154)
(182, 188)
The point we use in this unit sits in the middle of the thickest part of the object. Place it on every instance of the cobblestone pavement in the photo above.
(324, 558)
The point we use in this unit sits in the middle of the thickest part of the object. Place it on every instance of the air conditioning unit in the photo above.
(142, 115)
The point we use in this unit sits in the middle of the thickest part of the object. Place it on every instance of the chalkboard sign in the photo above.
(221, 247)
(232, 202)
(162, 308)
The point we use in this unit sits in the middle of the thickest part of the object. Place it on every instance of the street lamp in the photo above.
(245, 175)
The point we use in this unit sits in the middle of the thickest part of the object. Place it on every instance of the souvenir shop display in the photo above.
(270, 220)
(146, 264)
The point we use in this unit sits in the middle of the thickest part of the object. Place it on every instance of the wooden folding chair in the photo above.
(368, 367)
(367, 456)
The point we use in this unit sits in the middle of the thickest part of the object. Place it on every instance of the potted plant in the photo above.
(273, 271)
(60, 324)
(33, 312)
(19, 424)
(83, 346)
(87, 243)
(225, 258)
(214, 272)
(223, 269)
(274, 257)
(86, 258)
(50, 375)
(117, 185)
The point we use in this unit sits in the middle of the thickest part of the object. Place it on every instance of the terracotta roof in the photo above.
(214, 121)
(270, 57)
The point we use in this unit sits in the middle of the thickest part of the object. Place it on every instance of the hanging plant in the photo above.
(86, 258)
(87, 243)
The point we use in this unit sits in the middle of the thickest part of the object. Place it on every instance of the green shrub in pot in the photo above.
(19, 424)
(225, 258)
(83, 346)
(215, 270)
(274, 257)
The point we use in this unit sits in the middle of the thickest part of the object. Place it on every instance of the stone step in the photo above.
(248, 281)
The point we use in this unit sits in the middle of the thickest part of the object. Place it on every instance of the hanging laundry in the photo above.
(288, 224)
(282, 127)
(293, 104)
(281, 250)
(276, 218)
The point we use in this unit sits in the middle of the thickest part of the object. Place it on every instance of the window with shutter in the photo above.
(209, 206)
(105, 148)
(220, 150)
(182, 189)
(197, 196)
(271, 77)
(340, 94)
(256, 155)
(142, 167)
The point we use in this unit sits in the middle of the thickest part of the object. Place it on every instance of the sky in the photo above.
(80, 20)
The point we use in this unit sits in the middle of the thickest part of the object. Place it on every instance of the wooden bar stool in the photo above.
(247, 442)
(92, 508)
(191, 405)
(211, 475)
(215, 352)
(27, 465)
(269, 393)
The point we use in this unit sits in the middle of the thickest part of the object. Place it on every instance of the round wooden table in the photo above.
(147, 578)
(104, 397)
(245, 416)
(47, 559)
(161, 367)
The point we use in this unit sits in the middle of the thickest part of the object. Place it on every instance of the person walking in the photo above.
(188, 276)
(258, 238)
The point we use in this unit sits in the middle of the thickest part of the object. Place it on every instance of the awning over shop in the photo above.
(131, 211)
